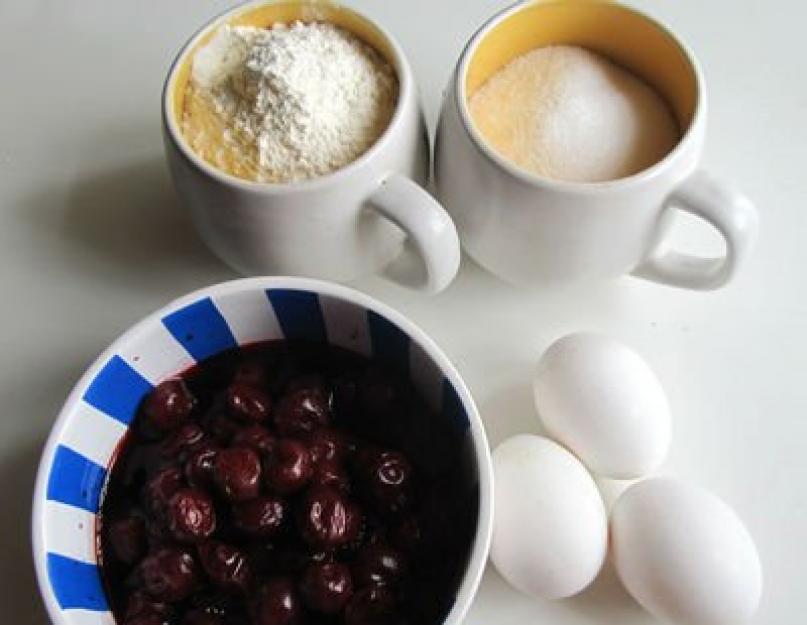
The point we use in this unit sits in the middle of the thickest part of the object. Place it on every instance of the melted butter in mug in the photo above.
(208, 135)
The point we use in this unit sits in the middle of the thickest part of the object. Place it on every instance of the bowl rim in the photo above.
(482, 539)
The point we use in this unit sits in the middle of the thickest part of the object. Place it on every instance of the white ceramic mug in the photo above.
(338, 226)
(532, 230)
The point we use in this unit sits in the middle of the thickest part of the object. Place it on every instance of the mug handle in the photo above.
(727, 210)
(429, 228)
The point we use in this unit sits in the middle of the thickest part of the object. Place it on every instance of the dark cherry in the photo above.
(199, 466)
(373, 605)
(260, 518)
(378, 564)
(225, 565)
(237, 473)
(330, 474)
(220, 426)
(257, 437)
(169, 574)
(201, 617)
(221, 604)
(263, 557)
(327, 444)
(159, 490)
(289, 468)
(248, 403)
(277, 603)
(127, 537)
(327, 519)
(288, 557)
(169, 405)
(387, 478)
(298, 381)
(141, 603)
(302, 410)
(326, 587)
(191, 516)
(286, 374)
(182, 442)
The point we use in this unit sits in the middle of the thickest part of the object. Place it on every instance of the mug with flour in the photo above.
(569, 132)
(294, 135)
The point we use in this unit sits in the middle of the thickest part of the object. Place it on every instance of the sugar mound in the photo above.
(566, 113)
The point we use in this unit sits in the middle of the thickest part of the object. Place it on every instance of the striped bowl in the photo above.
(101, 407)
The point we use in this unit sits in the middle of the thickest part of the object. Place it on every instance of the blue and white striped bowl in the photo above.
(100, 408)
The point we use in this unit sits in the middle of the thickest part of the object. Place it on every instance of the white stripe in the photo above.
(155, 354)
(70, 532)
(426, 377)
(88, 617)
(92, 433)
(346, 325)
(250, 316)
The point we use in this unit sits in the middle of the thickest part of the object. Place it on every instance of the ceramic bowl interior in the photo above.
(101, 407)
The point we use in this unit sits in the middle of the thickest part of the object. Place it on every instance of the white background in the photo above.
(92, 239)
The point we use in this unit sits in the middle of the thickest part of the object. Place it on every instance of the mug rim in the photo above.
(406, 91)
(480, 547)
(537, 180)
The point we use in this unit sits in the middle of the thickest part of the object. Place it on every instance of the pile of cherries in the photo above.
(259, 504)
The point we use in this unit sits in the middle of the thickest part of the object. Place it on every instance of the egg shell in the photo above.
(684, 555)
(602, 401)
(550, 529)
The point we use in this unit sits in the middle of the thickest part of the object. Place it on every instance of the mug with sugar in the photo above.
(569, 134)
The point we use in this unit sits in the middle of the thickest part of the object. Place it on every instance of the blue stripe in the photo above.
(453, 410)
(299, 314)
(76, 584)
(201, 329)
(390, 343)
(75, 480)
(117, 390)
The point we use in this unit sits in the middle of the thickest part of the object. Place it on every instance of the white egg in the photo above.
(601, 400)
(684, 554)
(550, 527)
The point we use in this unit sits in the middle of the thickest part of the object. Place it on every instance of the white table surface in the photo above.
(92, 239)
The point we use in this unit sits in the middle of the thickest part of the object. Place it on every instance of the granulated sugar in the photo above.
(294, 101)
(566, 113)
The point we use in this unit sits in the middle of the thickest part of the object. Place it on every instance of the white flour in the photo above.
(309, 98)
(567, 113)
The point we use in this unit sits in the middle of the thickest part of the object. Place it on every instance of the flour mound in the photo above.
(309, 98)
